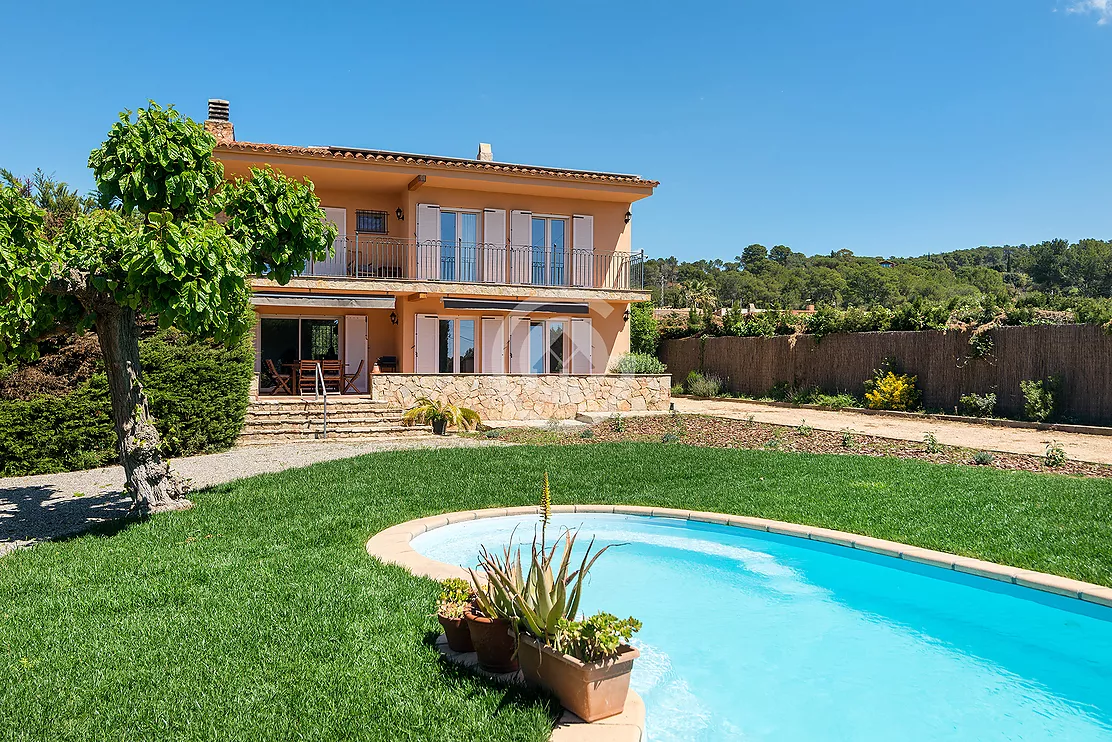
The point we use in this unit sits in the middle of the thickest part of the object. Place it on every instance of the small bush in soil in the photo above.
(930, 442)
(983, 458)
(1055, 455)
(700, 385)
(1041, 397)
(977, 405)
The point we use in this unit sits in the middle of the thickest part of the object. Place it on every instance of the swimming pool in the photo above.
(752, 635)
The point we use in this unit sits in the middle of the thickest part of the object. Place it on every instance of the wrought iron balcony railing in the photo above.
(365, 256)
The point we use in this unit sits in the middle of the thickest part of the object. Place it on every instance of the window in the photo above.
(371, 221)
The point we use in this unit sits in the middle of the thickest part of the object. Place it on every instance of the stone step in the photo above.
(333, 424)
(386, 431)
(318, 404)
(265, 416)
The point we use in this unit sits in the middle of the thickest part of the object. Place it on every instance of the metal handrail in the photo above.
(388, 258)
(318, 387)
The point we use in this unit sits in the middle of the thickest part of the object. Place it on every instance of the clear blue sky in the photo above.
(890, 128)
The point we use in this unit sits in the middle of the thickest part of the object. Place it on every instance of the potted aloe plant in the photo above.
(491, 620)
(440, 415)
(585, 663)
(454, 603)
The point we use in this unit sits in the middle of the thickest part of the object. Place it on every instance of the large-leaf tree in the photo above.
(173, 242)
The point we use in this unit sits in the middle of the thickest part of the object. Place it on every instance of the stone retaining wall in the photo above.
(528, 397)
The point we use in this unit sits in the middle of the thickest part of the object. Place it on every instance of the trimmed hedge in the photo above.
(198, 393)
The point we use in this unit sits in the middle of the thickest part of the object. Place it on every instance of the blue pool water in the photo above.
(749, 635)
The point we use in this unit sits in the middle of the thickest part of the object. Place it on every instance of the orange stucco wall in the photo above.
(341, 184)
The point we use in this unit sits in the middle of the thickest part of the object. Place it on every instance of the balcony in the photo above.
(383, 258)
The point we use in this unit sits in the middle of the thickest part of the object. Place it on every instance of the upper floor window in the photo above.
(370, 221)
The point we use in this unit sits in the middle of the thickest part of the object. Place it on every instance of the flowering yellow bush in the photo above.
(892, 391)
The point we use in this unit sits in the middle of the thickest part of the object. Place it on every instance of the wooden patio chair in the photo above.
(282, 382)
(333, 372)
(350, 380)
(307, 375)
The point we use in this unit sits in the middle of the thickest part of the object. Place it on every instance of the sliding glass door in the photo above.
(548, 347)
(455, 346)
(459, 245)
(284, 341)
(549, 256)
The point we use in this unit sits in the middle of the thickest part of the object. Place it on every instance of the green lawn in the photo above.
(258, 615)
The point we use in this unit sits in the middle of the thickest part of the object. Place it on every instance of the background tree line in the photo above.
(1049, 274)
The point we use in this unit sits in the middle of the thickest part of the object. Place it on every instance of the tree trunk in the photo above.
(151, 484)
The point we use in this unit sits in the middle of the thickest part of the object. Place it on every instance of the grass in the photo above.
(258, 614)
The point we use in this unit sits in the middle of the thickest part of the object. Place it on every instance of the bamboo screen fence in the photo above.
(944, 361)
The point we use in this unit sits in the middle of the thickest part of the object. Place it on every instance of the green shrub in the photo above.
(703, 385)
(977, 405)
(638, 363)
(198, 391)
(837, 401)
(983, 458)
(783, 392)
(1041, 398)
(644, 335)
(198, 394)
(53, 434)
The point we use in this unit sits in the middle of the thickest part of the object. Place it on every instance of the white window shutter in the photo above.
(521, 251)
(428, 335)
(519, 345)
(428, 241)
(493, 261)
(583, 251)
(581, 340)
(494, 345)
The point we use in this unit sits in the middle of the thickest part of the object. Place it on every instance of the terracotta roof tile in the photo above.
(446, 163)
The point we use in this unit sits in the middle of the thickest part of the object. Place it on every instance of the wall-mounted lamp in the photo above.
(393, 318)
(629, 215)
(400, 214)
(625, 315)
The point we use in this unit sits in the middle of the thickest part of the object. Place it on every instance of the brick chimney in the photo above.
(217, 122)
(486, 154)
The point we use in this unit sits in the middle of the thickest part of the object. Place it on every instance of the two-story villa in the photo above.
(450, 266)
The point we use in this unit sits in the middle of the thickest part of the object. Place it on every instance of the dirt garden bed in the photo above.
(717, 432)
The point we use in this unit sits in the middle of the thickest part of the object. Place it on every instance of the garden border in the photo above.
(392, 546)
(996, 422)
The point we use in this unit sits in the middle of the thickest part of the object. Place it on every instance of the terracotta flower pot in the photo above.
(591, 690)
(494, 642)
(457, 634)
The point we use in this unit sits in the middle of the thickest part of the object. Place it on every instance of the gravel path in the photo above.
(1094, 448)
(50, 506)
